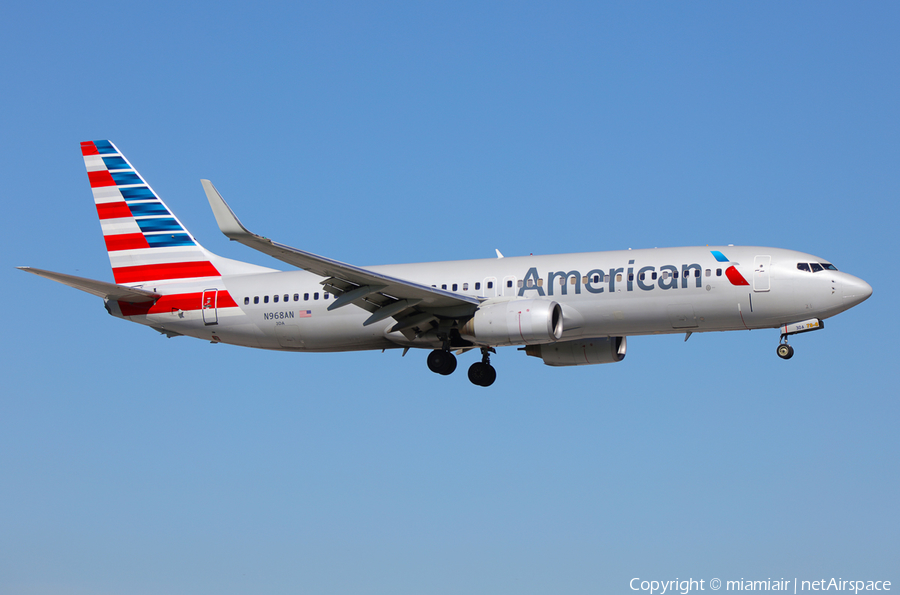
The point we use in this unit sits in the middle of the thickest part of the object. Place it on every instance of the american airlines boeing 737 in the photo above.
(567, 309)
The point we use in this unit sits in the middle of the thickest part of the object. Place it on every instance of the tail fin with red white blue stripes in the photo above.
(146, 243)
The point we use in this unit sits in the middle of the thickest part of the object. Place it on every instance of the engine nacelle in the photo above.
(514, 322)
(583, 352)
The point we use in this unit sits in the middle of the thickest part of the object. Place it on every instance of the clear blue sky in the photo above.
(374, 134)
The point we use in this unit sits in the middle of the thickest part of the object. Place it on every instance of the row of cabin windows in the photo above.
(476, 286)
(540, 282)
(665, 274)
(285, 298)
(619, 277)
(584, 280)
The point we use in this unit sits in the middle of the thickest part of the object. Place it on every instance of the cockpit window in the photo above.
(816, 267)
(828, 266)
(802, 266)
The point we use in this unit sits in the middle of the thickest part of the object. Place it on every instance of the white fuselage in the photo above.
(602, 294)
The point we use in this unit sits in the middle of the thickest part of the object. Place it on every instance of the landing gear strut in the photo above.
(483, 373)
(784, 350)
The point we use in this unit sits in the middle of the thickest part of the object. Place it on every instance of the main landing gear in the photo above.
(483, 373)
(442, 361)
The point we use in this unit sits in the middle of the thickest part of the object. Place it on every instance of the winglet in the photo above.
(225, 217)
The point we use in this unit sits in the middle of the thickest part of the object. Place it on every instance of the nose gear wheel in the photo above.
(785, 351)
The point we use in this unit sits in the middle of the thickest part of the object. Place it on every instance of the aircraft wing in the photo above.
(411, 304)
(99, 288)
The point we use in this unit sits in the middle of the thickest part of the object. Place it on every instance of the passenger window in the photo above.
(266, 299)
(256, 299)
(246, 301)
(816, 267)
(802, 266)
(275, 299)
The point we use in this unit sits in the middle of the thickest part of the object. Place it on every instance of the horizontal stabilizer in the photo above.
(98, 288)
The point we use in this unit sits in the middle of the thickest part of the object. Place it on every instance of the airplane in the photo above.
(567, 309)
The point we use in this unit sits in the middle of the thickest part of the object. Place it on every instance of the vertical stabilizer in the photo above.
(145, 241)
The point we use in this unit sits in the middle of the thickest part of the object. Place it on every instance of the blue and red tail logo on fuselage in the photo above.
(731, 272)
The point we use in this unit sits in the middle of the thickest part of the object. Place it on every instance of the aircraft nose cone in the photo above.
(856, 290)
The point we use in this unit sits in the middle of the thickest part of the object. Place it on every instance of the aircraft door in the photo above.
(761, 266)
(208, 307)
(490, 287)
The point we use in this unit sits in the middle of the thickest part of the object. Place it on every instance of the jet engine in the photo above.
(582, 352)
(514, 322)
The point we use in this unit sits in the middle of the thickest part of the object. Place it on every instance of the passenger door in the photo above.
(208, 307)
(761, 265)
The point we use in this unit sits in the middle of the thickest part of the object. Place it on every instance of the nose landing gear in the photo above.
(784, 350)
